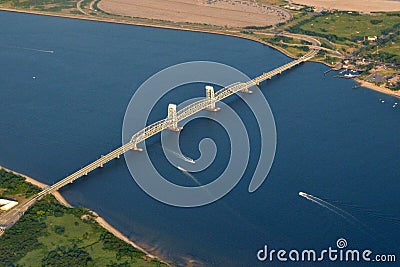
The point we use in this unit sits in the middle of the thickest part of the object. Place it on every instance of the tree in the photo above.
(59, 229)
(62, 256)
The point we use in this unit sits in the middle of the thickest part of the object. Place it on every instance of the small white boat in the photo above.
(181, 169)
(348, 75)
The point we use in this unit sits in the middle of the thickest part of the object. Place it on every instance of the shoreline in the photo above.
(41, 185)
(377, 88)
(101, 221)
(151, 25)
(192, 29)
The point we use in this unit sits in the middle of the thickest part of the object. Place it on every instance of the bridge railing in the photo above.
(150, 130)
(219, 95)
(163, 124)
(229, 90)
(192, 109)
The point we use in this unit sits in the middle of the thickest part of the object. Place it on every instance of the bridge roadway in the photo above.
(9, 218)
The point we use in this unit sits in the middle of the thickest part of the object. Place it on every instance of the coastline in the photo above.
(377, 88)
(41, 185)
(192, 29)
(101, 221)
(108, 226)
(152, 25)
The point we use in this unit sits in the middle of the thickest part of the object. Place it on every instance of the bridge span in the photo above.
(171, 122)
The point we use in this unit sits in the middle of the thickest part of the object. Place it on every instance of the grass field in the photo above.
(350, 25)
(394, 49)
(50, 234)
(50, 229)
(40, 5)
(80, 233)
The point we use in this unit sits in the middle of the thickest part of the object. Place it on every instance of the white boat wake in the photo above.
(348, 217)
(187, 159)
(181, 156)
(187, 173)
(34, 49)
(344, 214)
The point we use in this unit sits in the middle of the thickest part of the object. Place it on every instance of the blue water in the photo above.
(334, 142)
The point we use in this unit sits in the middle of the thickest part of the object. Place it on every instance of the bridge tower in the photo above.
(173, 118)
(210, 97)
(135, 148)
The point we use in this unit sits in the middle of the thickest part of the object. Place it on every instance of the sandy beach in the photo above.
(364, 6)
(378, 88)
(118, 234)
(188, 28)
(214, 12)
(103, 223)
(41, 185)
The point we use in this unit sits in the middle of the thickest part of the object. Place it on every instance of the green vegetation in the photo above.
(40, 5)
(14, 185)
(341, 26)
(293, 46)
(348, 32)
(385, 50)
(345, 32)
(50, 234)
(274, 2)
(71, 256)
(95, 6)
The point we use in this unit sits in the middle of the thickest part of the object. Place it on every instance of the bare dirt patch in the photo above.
(353, 5)
(234, 13)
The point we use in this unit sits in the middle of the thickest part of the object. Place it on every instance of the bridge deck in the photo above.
(8, 219)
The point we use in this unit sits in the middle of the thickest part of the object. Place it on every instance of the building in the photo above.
(372, 38)
(6, 205)
(394, 80)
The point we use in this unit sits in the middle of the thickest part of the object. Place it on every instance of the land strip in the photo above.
(93, 215)
(343, 36)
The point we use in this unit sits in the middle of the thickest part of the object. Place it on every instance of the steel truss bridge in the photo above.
(171, 122)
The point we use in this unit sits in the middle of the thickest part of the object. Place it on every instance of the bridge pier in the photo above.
(210, 96)
(173, 118)
(246, 89)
